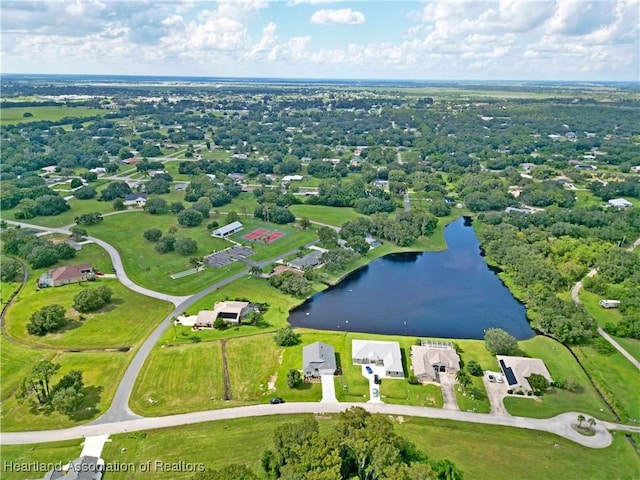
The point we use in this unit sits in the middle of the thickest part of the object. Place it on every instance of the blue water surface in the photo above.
(449, 294)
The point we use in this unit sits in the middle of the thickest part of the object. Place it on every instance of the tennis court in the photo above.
(255, 234)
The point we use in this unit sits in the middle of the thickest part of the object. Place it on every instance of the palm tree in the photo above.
(255, 270)
(463, 379)
(592, 422)
(446, 470)
(580, 420)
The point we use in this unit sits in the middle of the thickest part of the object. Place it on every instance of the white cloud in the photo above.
(343, 16)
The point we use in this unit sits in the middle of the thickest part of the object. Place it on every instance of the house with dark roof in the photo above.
(310, 260)
(136, 199)
(318, 359)
(65, 275)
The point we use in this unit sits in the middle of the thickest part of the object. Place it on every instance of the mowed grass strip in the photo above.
(124, 322)
(102, 372)
(180, 379)
(252, 362)
(15, 115)
(330, 215)
(617, 378)
(477, 450)
(561, 365)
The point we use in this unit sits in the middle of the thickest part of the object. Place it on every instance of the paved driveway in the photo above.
(448, 383)
(328, 389)
(496, 393)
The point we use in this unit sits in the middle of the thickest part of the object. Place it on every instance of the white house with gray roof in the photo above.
(318, 359)
(378, 353)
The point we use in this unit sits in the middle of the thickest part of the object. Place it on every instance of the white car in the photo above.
(375, 392)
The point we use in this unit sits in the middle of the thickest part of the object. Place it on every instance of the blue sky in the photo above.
(426, 40)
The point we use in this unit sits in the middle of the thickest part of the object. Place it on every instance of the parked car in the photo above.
(368, 368)
(376, 379)
(375, 393)
(276, 401)
(491, 377)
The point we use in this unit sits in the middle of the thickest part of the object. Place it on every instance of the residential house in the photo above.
(318, 359)
(65, 275)
(280, 269)
(378, 353)
(310, 260)
(620, 203)
(518, 369)
(48, 170)
(292, 178)
(518, 210)
(229, 311)
(227, 230)
(431, 359)
(135, 199)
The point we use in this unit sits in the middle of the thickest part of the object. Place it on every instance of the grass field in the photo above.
(477, 450)
(330, 215)
(125, 321)
(15, 363)
(561, 365)
(101, 374)
(14, 115)
(178, 379)
(151, 269)
(616, 377)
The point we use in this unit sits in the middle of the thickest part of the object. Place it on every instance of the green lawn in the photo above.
(330, 215)
(616, 377)
(126, 321)
(151, 269)
(477, 450)
(101, 374)
(561, 365)
(178, 379)
(14, 115)
(172, 167)
(15, 363)
(244, 204)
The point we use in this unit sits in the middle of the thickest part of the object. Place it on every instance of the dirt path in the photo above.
(225, 368)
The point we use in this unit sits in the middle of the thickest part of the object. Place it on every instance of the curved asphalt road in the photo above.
(559, 425)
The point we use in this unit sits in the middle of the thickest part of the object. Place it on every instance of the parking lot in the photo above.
(228, 255)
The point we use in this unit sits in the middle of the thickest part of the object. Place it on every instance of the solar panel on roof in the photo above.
(511, 378)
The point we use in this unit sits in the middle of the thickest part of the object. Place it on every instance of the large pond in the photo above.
(450, 294)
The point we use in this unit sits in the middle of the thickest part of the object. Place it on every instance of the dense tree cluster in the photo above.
(403, 228)
(48, 319)
(37, 251)
(274, 213)
(65, 396)
(292, 283)
(361, 445)
(92, 299)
